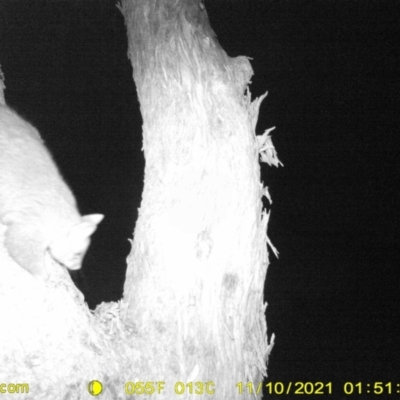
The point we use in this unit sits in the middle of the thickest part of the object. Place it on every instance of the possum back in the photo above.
(35, 203)
(29, 178)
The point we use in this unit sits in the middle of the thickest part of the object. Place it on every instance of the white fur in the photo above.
(35, 203)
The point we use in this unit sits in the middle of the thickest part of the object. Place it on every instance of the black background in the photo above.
(331, 70)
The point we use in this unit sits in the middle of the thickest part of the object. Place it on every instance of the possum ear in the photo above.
(81, 232)
(70, 249)
(90, 222)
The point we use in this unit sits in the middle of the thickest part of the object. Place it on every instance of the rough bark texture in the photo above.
(193, 307)
(51, 341)
(196, 272)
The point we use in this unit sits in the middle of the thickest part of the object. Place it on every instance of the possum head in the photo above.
(70, 247)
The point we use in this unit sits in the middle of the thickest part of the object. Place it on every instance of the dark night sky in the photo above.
(331, 70)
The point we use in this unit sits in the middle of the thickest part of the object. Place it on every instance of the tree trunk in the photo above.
(196, 272)
(192, 315)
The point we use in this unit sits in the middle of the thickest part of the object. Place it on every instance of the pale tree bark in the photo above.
(193, 308)
(197, 269)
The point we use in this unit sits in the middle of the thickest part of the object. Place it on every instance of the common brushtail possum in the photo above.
(36, 205)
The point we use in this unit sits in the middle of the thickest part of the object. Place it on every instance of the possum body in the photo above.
(36, 205)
